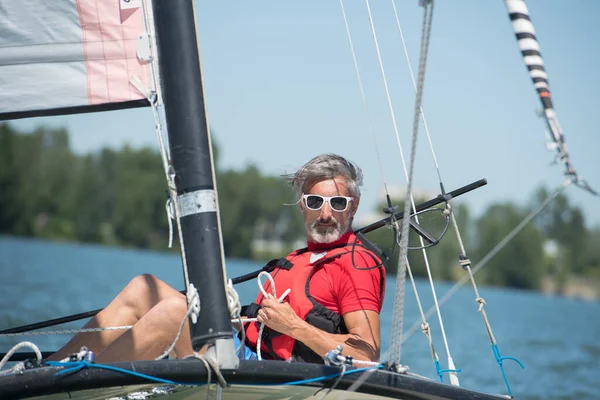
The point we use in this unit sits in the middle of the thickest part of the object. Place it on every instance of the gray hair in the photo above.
(326, 166)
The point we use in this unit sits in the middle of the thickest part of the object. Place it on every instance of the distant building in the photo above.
(268, 238)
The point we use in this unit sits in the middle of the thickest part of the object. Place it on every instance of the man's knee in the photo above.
(143, 284)
(140, 294)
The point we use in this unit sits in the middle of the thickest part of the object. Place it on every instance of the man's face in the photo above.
(326, 225)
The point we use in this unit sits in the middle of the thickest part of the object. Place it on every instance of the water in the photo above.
(556, 338)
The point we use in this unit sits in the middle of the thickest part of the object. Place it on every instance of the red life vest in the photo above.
(294, 272)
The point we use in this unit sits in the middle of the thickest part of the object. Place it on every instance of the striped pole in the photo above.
(530, 49)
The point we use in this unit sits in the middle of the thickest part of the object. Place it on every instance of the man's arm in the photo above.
(362, 341)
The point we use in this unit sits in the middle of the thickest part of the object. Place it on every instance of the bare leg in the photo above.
(152, 334)
(127, 308)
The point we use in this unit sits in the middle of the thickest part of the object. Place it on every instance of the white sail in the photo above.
(59, 56)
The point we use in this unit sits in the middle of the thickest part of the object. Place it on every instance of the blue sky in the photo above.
(280, 88)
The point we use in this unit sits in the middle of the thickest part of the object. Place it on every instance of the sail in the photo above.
(70, 56)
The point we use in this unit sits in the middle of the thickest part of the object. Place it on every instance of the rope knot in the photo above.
(193, 300)
(233, 301)
(481, 302)
(425, 327)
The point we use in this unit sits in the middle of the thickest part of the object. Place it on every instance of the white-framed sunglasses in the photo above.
(337, 203)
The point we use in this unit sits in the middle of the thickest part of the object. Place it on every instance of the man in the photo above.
(337, 288)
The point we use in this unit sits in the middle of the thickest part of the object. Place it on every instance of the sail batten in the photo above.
(69, 56)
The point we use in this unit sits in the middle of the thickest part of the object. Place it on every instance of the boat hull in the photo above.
(253, 380)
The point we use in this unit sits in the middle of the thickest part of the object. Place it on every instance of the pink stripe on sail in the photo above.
(109, 48)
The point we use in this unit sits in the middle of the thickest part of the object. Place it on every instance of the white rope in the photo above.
(419, 112)
(399, 285)
(412, 77)
(364, 362)
(173, 194)
(489, 256)
(364, 99)
(263, 291)
(385, 85)
(208, 370)
(467, 267)
(235, 311)
(399, 282)
(148, 14)
(19, 366)
(424, 325)
(210, 365)
(193, 301)
(466, 264)
(233, 301)
(170, 217)
(79, 356)
(154, 98)
(405, 227)
(398, 302)
(67, 331)
(368, 114)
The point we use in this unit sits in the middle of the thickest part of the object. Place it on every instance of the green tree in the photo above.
(565, 224)
(9, 180)
(593, 254)
(44, 167)
(520, 263)
(247, 199)
(138, 209)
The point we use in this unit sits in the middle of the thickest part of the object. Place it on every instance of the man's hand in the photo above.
(277, 316)
(362, 341)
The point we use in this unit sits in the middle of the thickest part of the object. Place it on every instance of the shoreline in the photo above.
(576, 287)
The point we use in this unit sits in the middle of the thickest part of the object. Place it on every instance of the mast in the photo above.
(192, 162)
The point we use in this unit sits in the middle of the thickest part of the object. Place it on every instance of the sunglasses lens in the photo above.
(314, 202)
(338, 203)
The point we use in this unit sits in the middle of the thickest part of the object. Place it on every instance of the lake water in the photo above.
(557, 339)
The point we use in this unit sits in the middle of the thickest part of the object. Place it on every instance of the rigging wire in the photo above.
(399, 302)
(67, 331)
(425, 39)
(364, 99)
(425, 328)
(412, 77)
(490, 255)
(463, 259)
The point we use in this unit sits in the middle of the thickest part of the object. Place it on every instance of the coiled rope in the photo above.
(19, 366)
(263, 291)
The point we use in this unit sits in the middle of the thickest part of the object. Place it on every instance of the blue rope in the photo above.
(324, 378)
(441, 371)
(499, 360)
(78, 365)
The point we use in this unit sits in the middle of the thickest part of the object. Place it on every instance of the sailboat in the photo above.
(101, 56)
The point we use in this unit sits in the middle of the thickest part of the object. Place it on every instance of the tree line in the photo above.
(118, 197)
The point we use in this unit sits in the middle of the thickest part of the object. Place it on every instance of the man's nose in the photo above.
(326, 212)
